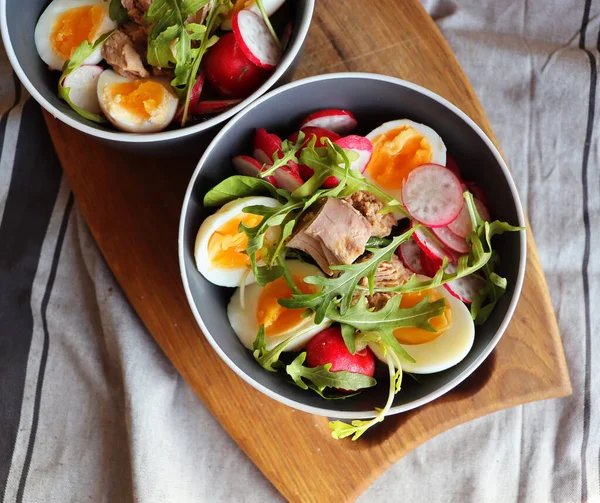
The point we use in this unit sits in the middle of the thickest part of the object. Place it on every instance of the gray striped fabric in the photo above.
(90, 410)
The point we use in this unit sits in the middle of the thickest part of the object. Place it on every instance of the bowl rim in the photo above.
(120, 136)
(398, 408)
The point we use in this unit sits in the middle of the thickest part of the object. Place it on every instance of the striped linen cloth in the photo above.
(90, 409)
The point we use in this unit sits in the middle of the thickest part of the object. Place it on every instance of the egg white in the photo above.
(438, 148)
(243, 318)
(223, 276)
(45, 25)
(446, 350)
(126, 121)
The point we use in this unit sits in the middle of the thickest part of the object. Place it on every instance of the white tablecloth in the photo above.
(91, 410)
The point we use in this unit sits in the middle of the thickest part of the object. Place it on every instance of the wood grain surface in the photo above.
(132, 206)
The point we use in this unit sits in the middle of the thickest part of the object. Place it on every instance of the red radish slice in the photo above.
(213, 106)
(265, 145)
(451, 240)
(431, 267)
(410, 253)
(319, 132)
(286, 36)
(83, 83)
(431, 248)
(305, 173)
(339, 121)
(466, 288)
(462, 225)
(287, 179)
(432, 195)
(246, 165)
(362, 146)
(194, 98)
(255, 40)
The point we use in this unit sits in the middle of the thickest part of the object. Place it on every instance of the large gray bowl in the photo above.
(17, 22)
(374, 99)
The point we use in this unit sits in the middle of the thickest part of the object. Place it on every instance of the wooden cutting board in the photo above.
(132, 206)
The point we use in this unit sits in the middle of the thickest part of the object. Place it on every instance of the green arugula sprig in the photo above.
(321, 377)
(83, 51)
(339, 290)
(289, 150)
(117, 12)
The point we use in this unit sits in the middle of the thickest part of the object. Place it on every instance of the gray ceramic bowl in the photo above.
(374, 99)
(17, 22)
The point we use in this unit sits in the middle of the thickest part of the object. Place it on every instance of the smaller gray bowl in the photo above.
(374, 99)
(17, 22)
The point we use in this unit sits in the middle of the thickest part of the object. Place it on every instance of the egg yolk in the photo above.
(140, 97)
(226, 246)
(441, 323)
(276, 318)
(395, 154)
(73, 27)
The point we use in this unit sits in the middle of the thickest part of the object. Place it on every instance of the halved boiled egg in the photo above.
(65, 24)
(270, 7)
(399, 147)
(259, 306)
(136, 105)
(220, 248)
(439, 350)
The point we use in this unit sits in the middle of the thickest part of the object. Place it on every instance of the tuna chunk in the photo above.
(388, 275)
(136, 9)
(335, 235)
(119, 53)
(139, 37)
(369, 206)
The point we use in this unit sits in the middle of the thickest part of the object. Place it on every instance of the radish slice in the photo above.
(429, 266)
(451, 240)
(474, 189)
(410, 253)
(83, 83)
(466, 288)
(432, 195)
(339, 121)
(255, 40)
(452, 166)
(270, 6)
(265, 145)
(286, 36)
(432, 249)
(462, 226)
(287, 179)
(362, 146)
(319, 132)
(305, 173)
(194, 98)
(246, 165)
(213, 106)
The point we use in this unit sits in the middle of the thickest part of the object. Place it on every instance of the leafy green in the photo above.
(290, 153)
(339, 429)
(390, 317)
(340, 290)
(237, 186)
(348, 334)
(322, 377)
(269, 358)
(117, 12)
(375, 242)
(83, 51)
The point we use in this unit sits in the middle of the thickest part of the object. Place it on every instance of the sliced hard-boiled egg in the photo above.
(65, 24)
(257, 305)
(399, 147)
(136, 105)
(439, 350)
(220, 247)
(270, 7)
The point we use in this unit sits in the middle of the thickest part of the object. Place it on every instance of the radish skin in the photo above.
(339, 121)
(248, 166)
(410, 253)
(432, 249)
(254, 38)
(451, 240)
(286, 179)
(213, 106)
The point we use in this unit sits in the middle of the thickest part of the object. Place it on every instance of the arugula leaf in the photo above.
(348, 334)
(290, 153)
(238, 186)
(83, 51)
(389, 318)
(340, 289)
(322, 377)
(375, 242)
(269, 358)
(339, 429)
(117, 12)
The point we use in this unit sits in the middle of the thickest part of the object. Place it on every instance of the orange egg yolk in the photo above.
(395, 154)
(73, 27)
(140, 97)
(276, 318)
(226, 246)
(441, 323)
